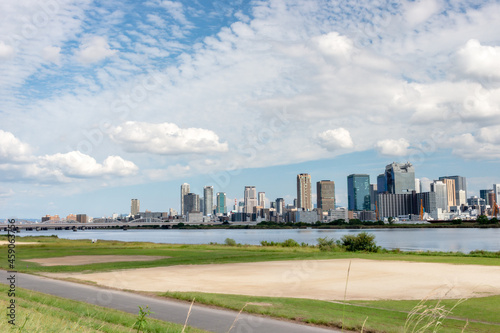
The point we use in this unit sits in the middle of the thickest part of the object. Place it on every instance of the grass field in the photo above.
(42, 313)
(479, 314)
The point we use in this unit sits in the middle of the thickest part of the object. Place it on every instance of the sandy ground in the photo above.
(84, 260)
(315, 279)
(18, 243)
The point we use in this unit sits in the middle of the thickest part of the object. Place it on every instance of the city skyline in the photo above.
(103, 103)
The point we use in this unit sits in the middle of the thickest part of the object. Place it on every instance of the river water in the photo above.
(413, 239)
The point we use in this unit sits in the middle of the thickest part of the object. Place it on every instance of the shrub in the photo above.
(290, 243)
(360, 242)
(327, 244)
(482, 219)
(230, 242)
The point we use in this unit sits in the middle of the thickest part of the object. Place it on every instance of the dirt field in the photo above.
(17, 243)
(84, 260)
(319, 279)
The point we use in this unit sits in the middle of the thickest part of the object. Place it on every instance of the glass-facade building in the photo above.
(400, 178)
(221, 203)
(358, 192)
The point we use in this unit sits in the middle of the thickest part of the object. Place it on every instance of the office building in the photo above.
(418, 185)
(134, 207)
(400, 178)
(441, 191)
(81, 218)
(304, 199)
(496, 190)
(262, 199)
(485, 194)
(280, 206)
(325, 195)
(221, 203)
(184, 191)
(373, 196)
(460, 185)
(381, 183)
(450, 191)
(250, 199)
(191, 203)
(208, 200)
(358, 192)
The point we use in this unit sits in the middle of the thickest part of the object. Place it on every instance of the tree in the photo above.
(360, 242)
(482, 219)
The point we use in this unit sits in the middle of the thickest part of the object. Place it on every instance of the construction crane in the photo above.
(494, 210)
(421, 210)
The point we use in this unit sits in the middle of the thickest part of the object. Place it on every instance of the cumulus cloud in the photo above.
(334, 45)
(469, 147)
(6, 51)
(52, 54)
(335, 139)
(12, 149)
(479, 60)
(392, 147)
(420, 10)
(95, 49)
(490, 134)
(166, 139)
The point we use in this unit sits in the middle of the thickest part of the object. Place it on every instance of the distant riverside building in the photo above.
(441, 191)
(208, 200)
(400, 178)
(221, 203)
(134, 207)
(250, 199)
(381, 184)
(280, 206)
(262, 199)
(304, 199)
(50, 218)
(418, 185)
(460, 185)
(325, 195)
(184, 191)
(358, 192)
(71, 217)
(496, 190)
(373, 196)
(191, 203)
(81, 218)
(450, 191)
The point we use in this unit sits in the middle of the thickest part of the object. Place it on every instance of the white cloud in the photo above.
(94, 49)
(52, 54)
(420, 10)
(6, 51)
(479, 60)
(490, 134)
(467, 146)
(335, 139)
(392, 147)
(166, 139)
(334, 45)
(12, 149)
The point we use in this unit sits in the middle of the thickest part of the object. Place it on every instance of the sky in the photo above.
(105, 101)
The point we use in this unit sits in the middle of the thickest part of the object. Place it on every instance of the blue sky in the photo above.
(104, 101)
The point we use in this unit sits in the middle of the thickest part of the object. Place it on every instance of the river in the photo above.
(413, 239)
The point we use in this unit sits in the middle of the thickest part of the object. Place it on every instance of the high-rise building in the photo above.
(418, 185)
(250, 199)
(134, 207)
(82, 218)
(373, 196)
(381, 183)
(304, 200)
(358, 192)
(325, 194)
(191, 203)
(496, 190)
(221, 203)
(184, 190)
(485, 194)
(400, 178)
(460, 185)
(450, 191)
(208, 200)
(441, 191)
(262, 199)
(280, 205)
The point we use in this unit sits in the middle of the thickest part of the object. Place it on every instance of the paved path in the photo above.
(214, 320)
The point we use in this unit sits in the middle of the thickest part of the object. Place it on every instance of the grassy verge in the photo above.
(42, 313)
(479, 314)
(48, 247)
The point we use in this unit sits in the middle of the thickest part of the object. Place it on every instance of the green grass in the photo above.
(42, 313)
(479, 314)
(203, 254)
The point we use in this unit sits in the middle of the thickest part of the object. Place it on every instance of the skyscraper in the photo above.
(304, 200)
(325, 194)
(208, 200)
(400, 178)
(134, 207)
(450, 191)
(250, 199)
(262, 199)
(191, 203)
(184, 191)
(441, 191)
(221, 203)
(460, 185)
(496, 190)
(280, 205)
(358, 192)
(381, 183)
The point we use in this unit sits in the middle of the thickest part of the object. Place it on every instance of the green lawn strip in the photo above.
(380, 319)
(49, 313)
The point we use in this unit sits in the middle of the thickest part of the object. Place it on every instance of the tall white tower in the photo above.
(184, 191)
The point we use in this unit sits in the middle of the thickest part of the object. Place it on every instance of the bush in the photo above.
(482, 219)
(360, 242)
(327, 244)
(290, 243)
(230, 242)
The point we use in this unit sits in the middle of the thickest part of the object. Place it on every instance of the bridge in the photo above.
(97, 224)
